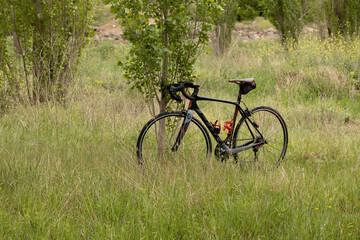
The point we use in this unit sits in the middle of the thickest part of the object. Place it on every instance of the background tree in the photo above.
(4, 86)
(342, 16)
(47, 38)
(225, 24)
(165, 37)
(288, 16)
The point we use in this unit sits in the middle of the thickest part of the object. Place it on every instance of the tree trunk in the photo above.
(164, 79)
(39, 52)
(223, 37)
(225, 26)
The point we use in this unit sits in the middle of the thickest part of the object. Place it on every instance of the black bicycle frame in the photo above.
(194, 107)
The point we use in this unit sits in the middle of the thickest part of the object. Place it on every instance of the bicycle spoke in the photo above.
(159, 139)
(272, 134)
(272, 129)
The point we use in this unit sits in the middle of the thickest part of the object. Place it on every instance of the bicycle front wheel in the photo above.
(157, 139)
(270, 129)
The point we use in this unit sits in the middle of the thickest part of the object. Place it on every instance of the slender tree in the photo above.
(342, 17)
(165, 38)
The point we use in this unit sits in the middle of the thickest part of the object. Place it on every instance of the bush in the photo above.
(47, 37)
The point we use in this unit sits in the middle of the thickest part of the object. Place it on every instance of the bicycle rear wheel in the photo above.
(274, 134)
(157, 138)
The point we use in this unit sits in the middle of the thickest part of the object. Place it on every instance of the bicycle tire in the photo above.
(273, 128)
(195, 144)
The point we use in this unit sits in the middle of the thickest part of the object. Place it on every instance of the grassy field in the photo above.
(71, 173)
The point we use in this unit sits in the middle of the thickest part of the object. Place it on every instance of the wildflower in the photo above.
(308, 203)
(352, 73)
(330, 199)
(316, 209)
(329, 206)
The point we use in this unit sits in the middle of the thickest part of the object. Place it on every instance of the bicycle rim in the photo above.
(158, 136)
(273, 128)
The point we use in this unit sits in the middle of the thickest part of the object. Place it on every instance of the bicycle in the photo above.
(259, 136)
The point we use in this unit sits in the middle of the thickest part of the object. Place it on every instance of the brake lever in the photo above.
(173, 95)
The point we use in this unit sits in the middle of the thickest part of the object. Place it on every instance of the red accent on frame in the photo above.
(182, 130)
(236, 113)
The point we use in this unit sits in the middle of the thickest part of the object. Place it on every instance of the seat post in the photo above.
(239, 96)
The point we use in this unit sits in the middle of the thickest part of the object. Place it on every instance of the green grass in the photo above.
(101, 13)
(70, 173)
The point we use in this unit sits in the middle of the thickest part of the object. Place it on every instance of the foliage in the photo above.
(100, 13)
(342, 17)
(166, 37)
(288, 17)
(47, 38)
(6, 84)
(285, 15)
(250, 9)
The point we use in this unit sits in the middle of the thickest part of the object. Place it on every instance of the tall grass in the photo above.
(71, 173)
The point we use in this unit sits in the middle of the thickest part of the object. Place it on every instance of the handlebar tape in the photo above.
(173, 88)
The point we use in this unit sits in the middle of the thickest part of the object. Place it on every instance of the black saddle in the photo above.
(246, 85)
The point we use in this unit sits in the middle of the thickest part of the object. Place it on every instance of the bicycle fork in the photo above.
(183, 129)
